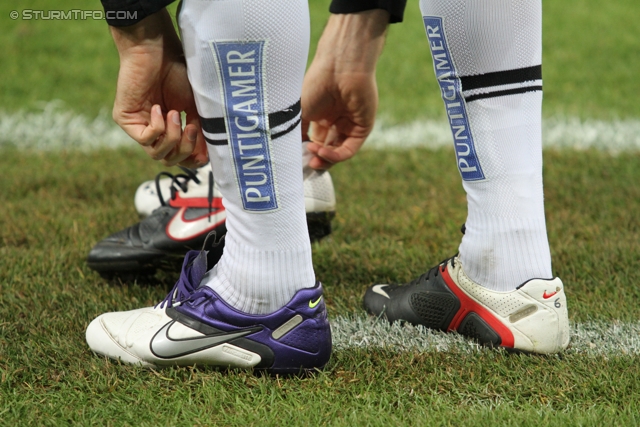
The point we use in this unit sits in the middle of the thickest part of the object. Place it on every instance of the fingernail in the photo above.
(176, 119)
(192, 134)
(157, 110)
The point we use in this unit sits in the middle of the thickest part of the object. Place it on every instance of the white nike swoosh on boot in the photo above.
(164, 347)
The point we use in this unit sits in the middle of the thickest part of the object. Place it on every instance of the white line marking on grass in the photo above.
(557, 132)
(53, 128)
(592, 338)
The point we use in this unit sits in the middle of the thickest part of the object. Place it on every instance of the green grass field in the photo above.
(56, 205)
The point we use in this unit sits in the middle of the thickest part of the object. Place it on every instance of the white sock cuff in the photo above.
(505, 252)
(267, 279)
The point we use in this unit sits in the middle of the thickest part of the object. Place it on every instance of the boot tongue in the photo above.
(193, 269)
(197, 268)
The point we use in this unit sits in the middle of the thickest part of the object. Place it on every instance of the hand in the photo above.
(339, 93)
(153, 89)
(341, 109)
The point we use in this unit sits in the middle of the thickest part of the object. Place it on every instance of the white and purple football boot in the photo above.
(194, 326)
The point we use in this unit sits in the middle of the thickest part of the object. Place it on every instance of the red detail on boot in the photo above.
(195, 202)
(468, 305)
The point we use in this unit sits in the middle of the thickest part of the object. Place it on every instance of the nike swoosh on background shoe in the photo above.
(182, 229)
(378, 290)
(166, 348)
(545, 295)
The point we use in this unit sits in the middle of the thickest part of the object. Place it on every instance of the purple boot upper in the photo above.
(293, 338)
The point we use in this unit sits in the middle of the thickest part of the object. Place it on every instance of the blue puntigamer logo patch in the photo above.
(451, 89)
(240, 69)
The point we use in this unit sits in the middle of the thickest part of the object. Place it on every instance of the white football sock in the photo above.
(246, 60)
(487, 57)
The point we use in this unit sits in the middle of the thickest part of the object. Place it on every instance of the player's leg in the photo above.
(247, 80)
(260, 304)
(487, 59)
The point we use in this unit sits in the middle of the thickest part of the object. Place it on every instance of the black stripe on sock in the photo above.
(498, 78)
(503, 93)
(286, 131)
(214, 125)
(217, 125)
(283, 116)
(216, 141)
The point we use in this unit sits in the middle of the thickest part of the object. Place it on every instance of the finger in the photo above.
(332, 136)
(144, 134)
(200, 152)
(149, 150)
(314, 147)
(193, 162)
(174, 125)
(345, 151)
(305, 130)
(181, 152)
(184, 149)
(153, 131)
(200, 155)
(317, 132)
(170, 145)
(319, 163)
